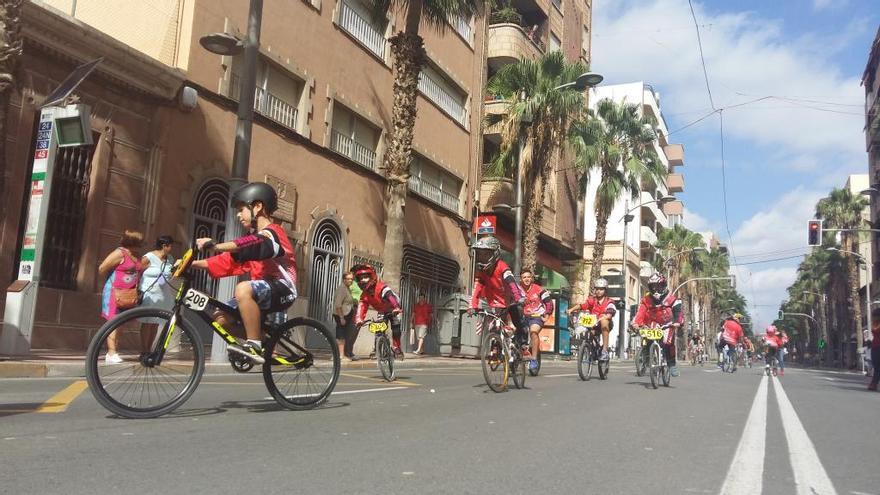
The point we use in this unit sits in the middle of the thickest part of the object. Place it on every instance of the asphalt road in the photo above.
(440, 430)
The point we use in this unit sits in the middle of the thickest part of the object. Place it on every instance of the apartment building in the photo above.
(648, 215)
(527, 29)
(871, 83)
(323, 105)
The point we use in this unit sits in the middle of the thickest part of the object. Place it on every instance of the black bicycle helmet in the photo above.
(256, 191)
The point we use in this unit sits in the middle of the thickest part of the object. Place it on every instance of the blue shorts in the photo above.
(535, 320)
(271, 295)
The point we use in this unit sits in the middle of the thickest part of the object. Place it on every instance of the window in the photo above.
(277, 94)
(354, 137)
(448, 97)
(674, 220)
(430, 181)
(462, 26)
(558, 4)
(555, 44)
(357, 20)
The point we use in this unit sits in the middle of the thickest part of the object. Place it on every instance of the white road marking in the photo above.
(749, 458)
(561, 374)
(809, 474)
(711, 371)
(348, 392)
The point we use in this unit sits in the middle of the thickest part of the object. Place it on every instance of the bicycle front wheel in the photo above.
(603, 366)
(385, 358)
(518, 370)
(138, 385)
(585, 361)
(640, 361)
(494, 360)
(654, 363)
(304, 365)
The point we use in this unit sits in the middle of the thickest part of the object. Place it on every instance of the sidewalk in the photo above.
(69, 364)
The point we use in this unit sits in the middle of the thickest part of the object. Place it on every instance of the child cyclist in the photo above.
(496, 284)
(266, 253)
(377, 295)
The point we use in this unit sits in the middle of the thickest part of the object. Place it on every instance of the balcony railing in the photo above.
(362, 29)
(347, 146)
(448, 102)
(462, 26)
(265, 103)
(433, 192)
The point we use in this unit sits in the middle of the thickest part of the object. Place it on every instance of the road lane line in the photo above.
(351, 392)
(59, 402)
(809, 474)
(745, 472)
(379, 380)
(560, 374)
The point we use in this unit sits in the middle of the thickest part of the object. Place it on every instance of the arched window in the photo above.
(209, 220)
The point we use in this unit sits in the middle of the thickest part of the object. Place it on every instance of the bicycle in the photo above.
(300, 357)
(590, 348)
(728, 359)
(499, 356)
(639, 358)
(379, 327)
(658, 369)
(771, 365)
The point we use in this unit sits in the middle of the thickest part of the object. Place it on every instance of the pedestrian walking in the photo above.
(123, 266)
(782, 352)
(155, 290)
(875, 348)
(345, 306)
(421, 319)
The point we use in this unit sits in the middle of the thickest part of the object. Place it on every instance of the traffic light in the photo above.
(814, 237)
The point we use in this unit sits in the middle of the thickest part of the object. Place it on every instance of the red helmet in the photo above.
(364, 275)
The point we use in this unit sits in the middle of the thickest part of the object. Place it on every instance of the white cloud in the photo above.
(747, 57)
(698, 223)
(825, 4)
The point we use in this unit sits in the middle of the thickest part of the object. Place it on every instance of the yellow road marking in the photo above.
(59, 402)
(380, 380)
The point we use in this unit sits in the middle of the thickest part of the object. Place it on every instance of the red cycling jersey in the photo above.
(538, 301)
(732, 332)
(599, 307)
(380, 297)
(650, 314)
(498, 288)
(272, 241)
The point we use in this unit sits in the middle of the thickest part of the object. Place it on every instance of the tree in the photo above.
(617, 143)
(530, 89)
(10, 53)
(843, 210)
(408, 53)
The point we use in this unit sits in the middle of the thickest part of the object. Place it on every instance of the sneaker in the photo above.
(112, 358)
(604, 356)
(872, 386)
(674, 370)
(533, 364)
(250, 350)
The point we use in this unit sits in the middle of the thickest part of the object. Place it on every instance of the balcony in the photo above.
(509, 42)
(674, 208)
(434, 193)
(647, 236)
(494, 107)
(494, 191)
(358, 152)
(269, 105)
(674, 184)
(646, 269)
(651, 208)
(675, 154)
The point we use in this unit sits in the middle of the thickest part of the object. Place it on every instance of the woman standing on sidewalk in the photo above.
(344, 309)
(126, 267)
(154, 286)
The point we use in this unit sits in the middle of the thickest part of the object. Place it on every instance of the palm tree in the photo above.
(10, 53)
(619, 145)
(531, 90)
(408, 53)
(681, 262)
(843, 210)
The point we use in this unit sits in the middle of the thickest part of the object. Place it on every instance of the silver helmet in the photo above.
(601, 284)
(490, 245)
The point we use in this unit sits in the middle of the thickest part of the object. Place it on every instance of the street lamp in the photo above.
(228, 45)
(627, 218)
(581, 83)
(869, 271)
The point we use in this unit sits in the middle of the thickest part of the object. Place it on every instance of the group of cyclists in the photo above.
(266, 253)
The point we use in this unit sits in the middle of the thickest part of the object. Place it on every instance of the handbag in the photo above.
(127, 298)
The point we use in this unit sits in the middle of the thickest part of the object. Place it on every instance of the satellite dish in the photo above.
(73, 80)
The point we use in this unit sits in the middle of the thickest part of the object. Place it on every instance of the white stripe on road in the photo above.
(743, 475)
(561, 374)
(809, 474)
(347, 392)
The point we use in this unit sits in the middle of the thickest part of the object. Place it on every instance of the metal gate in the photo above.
(67, 216)
(424, 271)
(209, 220)
(328, 254)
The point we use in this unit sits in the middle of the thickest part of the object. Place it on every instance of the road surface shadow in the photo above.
(22, 408)
(272, 406)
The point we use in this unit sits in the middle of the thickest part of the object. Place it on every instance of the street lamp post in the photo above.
(225, 44)
(822, 320)
(869, 271)
(581, 83)
(627, 218)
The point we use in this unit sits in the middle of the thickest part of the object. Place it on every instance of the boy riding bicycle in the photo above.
(266, 253)
(377, 295)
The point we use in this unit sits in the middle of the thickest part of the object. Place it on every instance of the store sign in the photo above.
(485, 225)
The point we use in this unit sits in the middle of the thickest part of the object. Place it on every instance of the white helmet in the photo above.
(601, 284)
(491, 244)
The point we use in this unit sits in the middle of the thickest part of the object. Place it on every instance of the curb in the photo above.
(76, 368)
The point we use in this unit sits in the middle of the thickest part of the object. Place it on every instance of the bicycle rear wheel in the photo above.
(518, 371)
(138, 387)
(654, 363)
(494, 360)
(585, 360)
(385, 358)
(304, 365)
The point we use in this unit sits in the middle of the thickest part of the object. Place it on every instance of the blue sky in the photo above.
(782, 153)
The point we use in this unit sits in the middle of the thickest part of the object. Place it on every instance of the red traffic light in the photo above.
(814, 234)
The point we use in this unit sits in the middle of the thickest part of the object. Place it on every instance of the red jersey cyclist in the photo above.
(377, 295)
(266, 253)
(496, 284)
(603, 307)
(661, 308)
(538, 307)
(731, 335)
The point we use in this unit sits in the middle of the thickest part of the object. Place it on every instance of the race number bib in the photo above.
(195, 300)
